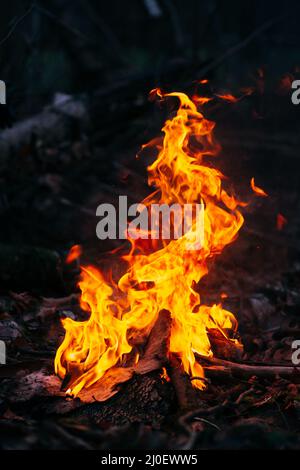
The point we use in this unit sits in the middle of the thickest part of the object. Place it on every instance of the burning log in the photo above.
(157, 348)
(154, 357)
(222, 346)
(186, 395)
(107, 386)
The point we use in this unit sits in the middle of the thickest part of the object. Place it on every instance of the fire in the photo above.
(228, 97)
(74, 253)
(201, 100)
(164, 375)
(233, 99)
(281, 221)
(259, 191)
(163, 275)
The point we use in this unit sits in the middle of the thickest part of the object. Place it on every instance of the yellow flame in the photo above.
(161, 275)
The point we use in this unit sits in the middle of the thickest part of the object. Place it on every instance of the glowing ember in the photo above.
(74, 253)
(162, 275)
(257, 190)
(164, 375)
(280, 222)
(228, 97)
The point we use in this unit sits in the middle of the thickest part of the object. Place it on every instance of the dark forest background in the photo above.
(77, 46)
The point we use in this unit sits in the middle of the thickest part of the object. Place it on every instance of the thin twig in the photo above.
(244, 394)
(234, 368)
(208, 422)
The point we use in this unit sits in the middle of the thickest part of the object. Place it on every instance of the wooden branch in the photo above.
(187, 395)
(218, 367)
(157, 348)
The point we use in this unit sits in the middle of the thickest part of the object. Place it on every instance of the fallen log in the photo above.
(54, 124)
(57, 121)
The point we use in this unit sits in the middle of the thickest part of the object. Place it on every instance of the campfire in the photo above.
(162, 276)
(150, 216)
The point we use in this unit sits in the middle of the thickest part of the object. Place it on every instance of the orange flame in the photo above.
(234, 99)
(257, 190)
(281, 221)
(164, 375)
(228, 97)
(201, 100)
(74, 253)
(161, 277)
